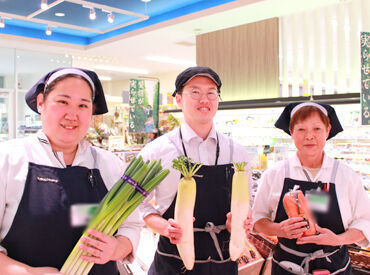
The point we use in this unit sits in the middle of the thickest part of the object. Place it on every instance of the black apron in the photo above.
(41, 234)
(211, 239)
(311, 257)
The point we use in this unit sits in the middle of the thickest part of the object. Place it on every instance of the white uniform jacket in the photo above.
(14, 167)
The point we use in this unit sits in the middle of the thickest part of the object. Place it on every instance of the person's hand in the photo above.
(292, 228)
(228, 221)
(174, 231)
(45, 271)
(325, 237)
(99, 246)
(247, 222)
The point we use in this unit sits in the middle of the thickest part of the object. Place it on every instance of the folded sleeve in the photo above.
(268, 193)
(261, 207)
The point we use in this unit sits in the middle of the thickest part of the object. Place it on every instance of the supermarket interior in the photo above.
(268, 53)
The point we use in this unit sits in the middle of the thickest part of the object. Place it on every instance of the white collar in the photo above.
(326, 163)
(83, 145)
(188, 133)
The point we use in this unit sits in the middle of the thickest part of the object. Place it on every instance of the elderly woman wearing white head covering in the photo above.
(56, 172)
(334, 192)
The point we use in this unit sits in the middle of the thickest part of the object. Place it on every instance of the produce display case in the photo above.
(263, 244)
(360, 258)
(251, 260)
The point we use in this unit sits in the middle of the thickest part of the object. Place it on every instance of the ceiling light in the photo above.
(59, 14)
(171, 60)
(145, 0)
(110, 17)
(92, 14)
(121, 69)
(2, 23)
(105, 78)
(48, 31)
(44, 4)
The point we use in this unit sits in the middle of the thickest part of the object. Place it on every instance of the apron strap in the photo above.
(334, 171)
(287, 171)
(332, 177)
(308, 257)
(231, 150)
(208, 260)
(179, 152)
(95, 157)
(213, 230)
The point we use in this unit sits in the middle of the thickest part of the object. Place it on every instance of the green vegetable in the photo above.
(116, 206)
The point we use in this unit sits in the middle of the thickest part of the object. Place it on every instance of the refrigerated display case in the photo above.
(254, 128)
(17, 75)
(4, 117)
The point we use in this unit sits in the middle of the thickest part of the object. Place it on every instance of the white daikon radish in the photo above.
(184, 208)
(239, 210)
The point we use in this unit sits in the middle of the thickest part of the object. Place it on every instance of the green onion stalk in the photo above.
(121, 200)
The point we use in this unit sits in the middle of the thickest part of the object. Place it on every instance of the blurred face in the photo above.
(66, 113)
(199, 102)
(310, 135)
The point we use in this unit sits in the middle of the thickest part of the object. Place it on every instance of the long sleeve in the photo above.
(3, 171)
(268, 193)
(360, 205)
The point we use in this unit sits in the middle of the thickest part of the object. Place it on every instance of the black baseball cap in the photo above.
(191, 72)
(100, 105)
(289, 110)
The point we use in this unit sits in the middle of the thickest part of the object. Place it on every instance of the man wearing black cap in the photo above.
(197, 93)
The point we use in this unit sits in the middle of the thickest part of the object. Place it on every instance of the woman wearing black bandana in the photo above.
(334, 192)
(49, 175)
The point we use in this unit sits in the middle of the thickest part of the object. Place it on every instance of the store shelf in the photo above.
(254, 128)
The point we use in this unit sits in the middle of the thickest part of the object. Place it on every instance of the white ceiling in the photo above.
(130, 50)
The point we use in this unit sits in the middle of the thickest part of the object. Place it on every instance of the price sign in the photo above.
(365, 78)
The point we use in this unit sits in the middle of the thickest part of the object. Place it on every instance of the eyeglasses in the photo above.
(196, 95)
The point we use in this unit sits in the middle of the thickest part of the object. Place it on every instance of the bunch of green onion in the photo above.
(116, 206)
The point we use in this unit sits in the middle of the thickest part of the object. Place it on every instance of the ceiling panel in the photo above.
(26, 18)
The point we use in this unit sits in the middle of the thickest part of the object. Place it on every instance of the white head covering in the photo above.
(66, 71)
(299, 106)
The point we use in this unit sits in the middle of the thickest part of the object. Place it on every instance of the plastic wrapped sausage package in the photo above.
(295, 205)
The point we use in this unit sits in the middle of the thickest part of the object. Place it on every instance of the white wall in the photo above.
(167, 85)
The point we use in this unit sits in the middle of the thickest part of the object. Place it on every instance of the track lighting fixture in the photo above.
(44, 4)
(2, 23)
(92, 14)
(110, 17)
(48, 30)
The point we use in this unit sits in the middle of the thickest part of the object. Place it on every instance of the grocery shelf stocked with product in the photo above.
(254, 128)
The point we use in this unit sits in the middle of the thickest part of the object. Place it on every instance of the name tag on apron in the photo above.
(82, 213)
(318, 201)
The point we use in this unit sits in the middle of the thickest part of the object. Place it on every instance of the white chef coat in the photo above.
(14, 168)
(354, 203)
(199, 150)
